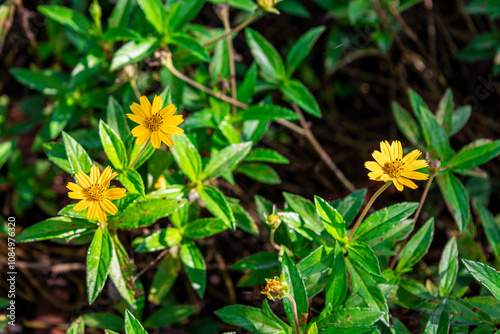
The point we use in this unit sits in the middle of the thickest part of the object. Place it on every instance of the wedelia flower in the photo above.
(95, 194)
(154, 123)
(390, 165)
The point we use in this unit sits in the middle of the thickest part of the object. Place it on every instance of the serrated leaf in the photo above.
(217, 204)
(187, 157)
(336, 290)
(296, 92)
(113, 146)
(259, 172)
(225, 159)
(132, 181)
(364, 256)
(417, 247)
(439, 322)
(98, 261)
(78, 158)
(266, 155)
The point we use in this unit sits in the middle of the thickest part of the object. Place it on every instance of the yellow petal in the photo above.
(142, 139)
(380, 158)
(83, 180)
(411, 157)
(106, 176)
(173, 120)
(417, 164)
(157, 103)
(101, 214)
(400, 150)
(92, 210)
(385, 148)
(397, 184)
(373, 166)
(415, 175)
(138, 110)
(82, 205)
(94, 174)
(168, 111)
(140, 130)
(146, 105)
(172, 130)
(408, 183)
(74, 187)
(375, 175)
(167, 139)
(136, 118)
(115, 193)
(75, 195)
(155, 139)
(109, 207)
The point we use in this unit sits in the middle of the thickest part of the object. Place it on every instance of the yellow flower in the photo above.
(155, 124)
(390, 165)
(94, 193)
(276, 288)
(161, 183)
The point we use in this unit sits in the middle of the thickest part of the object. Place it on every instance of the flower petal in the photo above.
(115, 193)
(397, 184)
(75, 195)
(373, 166)
(140, 130)
(83, 180)
(417, 164)
(139, 110)
(155, 139)
(408, 183)
(399, 150)
(415, 175)
(173, 120)
(380, 158)
(106, 176)
(142, 139)
(82, 205)
(375, 175)
(168, 111)
(136, 118)
(157, 103)
(385, 148)
(109, 207)
(94, 174)
(101, 214)
(411, 157)
(146, 105)
(74, 187)
(92, 210)
(172, 130)
(167, 139)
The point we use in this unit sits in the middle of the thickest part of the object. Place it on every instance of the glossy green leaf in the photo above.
(444, 112)
(165, 276)
(259, 172)
(459, 118)
(435, 136)
(250, 318)
(217, 204)
(115, 115)
(297, 288)
(119, 15)
(132, 52)
(204, 227)
(301, 49)
(155, 13)
(266, 112)
(132, 181)
(266, 56)
(363, 256)
(439, 322)
(333, 221)
(296, 92)
(486, 275)
(135, 154)
(336, 290)
(475, 154)
(225, 159)
(247, 87)
(491, 229)
(189, 43)
(265, 155)
(195, 267)
(416, 247)
(187, 157)
(169, 315)
(45, 82)
(349, 206)
(76, 327)
(56, 152)
(407, 125)
(184, 13)
(456, 199)
(257, 261)
(158, 240)
(68, 18)
(78, 158)
(243, 220)
(354, 317)
(132, 325)
(6, 149)
(98, 262)
(113, 146)
(448, 268)
(56, 227)
(103, 320)
(306, 210)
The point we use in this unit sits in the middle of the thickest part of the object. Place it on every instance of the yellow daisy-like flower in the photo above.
(95, 194)
(155, 124)
(390, 165)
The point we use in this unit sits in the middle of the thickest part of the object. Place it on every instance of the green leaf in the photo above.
(195, 267)
(250, 318)
(132, 52)
(297, 288)
(132, 325)
(439, 322)
(416, 248)
(187, 157)
(186, 11)
(98, 262)
(266, 56)
(301, 49)
(76, 327)
(246, 5)
(336, 290)
(57, 154)
(296, 92)
(169, 315)
(257, 261)
(6, 149)
(217, 204)
(204, 228)
(333, 221)
(225, 159)
(448, 268)
(78, 158)
(117, 120)
(265, 155)
(363, 256)
(247, 87)
(155, 13)
(456, 198)
(113, 146)
(487, 276)
(119, 15)
(266, 112)
(219, 67)
(132, 181)
(165, 276)
(146, 212)
(158, 240)
(459, 118)
(189, 43)
(103, 320)
(474, 154)
(306, 210)
(68, 18)
(350, 205)
(491, 229)
(437, 139)
(445, 111)
(353, 317)
(134, 154)
(409, 128)
(259, 172)
(45, 81)
(56, 227)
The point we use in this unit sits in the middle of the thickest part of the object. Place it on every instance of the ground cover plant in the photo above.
(210, 166)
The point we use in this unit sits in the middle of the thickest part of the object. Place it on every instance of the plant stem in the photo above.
(271, 240)
(367, 207)
(295, 315)
(140, 153)
(224, 15)
(135, 89)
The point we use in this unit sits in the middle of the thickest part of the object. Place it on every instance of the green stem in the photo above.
(140, 153)
(271, 239)
(295, 315)
(367, 207)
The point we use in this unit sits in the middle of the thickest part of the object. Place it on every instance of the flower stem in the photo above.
(140, 153)
(367, 207)
(271, 239)
(295, 315)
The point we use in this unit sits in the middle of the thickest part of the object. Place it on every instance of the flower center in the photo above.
(154, 122)
(394, 168)
(95, 192)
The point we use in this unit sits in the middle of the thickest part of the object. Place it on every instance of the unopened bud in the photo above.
(268, 6)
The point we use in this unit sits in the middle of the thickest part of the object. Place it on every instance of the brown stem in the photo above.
(321, 152)
(295, 315)
(367, 207)
(150, 264)
(232, 70)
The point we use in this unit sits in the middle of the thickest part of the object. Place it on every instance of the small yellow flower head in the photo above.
(155, 123)
(268, 6)
(161, 183)
(390, 165)
(95, 194)
(276, 288)
(273, 220)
